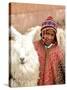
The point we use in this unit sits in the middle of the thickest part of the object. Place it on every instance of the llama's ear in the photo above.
(14, 33)
(33, 31)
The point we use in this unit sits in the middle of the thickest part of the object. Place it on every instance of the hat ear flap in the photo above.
(55, 40)
(41, 34)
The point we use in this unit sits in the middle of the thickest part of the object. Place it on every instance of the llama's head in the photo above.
(23, 43)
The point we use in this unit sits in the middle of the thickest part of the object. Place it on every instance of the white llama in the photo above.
(24, 64)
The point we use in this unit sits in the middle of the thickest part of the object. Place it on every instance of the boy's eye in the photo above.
(52, 34)
(47, 33)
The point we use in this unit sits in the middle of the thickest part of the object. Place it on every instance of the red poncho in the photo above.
(51, 64)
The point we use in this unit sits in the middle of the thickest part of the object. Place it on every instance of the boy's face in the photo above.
(48, 36)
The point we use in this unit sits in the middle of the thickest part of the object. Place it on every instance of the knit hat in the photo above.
(49, 23)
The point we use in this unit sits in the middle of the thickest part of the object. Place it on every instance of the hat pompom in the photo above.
(49, 17)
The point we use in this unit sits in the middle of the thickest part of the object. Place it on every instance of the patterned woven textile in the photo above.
(52, 70)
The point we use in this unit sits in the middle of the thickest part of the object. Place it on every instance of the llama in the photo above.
(24, 64)
(61, 38)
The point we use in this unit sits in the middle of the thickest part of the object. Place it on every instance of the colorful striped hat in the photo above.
(49, 23)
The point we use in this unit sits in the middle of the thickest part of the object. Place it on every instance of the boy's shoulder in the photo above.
(58, 51)
(36, 42)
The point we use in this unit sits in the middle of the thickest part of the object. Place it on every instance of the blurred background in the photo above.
(24, 16)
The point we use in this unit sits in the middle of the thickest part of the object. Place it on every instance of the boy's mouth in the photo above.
(46, 41)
